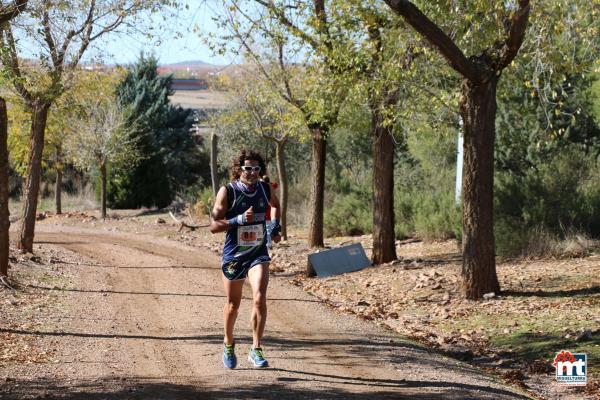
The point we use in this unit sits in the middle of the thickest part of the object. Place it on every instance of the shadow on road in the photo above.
(358, 346)
(148, 389)
(163, 294)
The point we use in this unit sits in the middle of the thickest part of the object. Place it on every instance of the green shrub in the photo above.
(426, 214)
(510, 237)
(404, 209)
(545, 205)
(436, 216)
(349, 215)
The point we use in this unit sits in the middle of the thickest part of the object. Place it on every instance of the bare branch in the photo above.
(287, 94)
(284, 20)
(183, 224)
(109, 28)
(257, 118)
(516, 34)
(84, 45)
(72, 33)
(5, 282)
(323, 26)
(87, 26)
(11, 60)
(9, 12)
(286, 78)
(257, 61)
(436, 37)
(376, 57)
(49, 39)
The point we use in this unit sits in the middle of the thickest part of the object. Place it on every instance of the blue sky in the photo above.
(124, 49)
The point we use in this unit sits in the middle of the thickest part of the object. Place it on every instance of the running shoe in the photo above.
(257, 358)
(229, 358)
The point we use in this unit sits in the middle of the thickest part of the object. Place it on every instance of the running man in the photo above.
(239, 211)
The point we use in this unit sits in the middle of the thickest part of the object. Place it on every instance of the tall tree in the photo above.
(494, 33)
(8, 11)
(373, 55)
(161, 132)
(64, 30)
(99, 139)
(480, 74)
(4, 212)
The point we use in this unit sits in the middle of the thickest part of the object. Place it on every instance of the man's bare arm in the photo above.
(218, 223)
(274, 203)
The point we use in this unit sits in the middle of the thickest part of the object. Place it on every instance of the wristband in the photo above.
(275, 227)
(237, 220)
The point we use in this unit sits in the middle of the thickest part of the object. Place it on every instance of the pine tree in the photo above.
(161, 131)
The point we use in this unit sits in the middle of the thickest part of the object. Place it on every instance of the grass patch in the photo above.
(538, 335)
(532, 346)
(52, 281)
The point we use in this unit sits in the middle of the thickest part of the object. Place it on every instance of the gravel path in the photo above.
(143, 320)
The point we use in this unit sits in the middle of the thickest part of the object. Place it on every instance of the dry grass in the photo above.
(199, 99)
(200, 209)
(85, 200)
(298, 214)
(543, 244)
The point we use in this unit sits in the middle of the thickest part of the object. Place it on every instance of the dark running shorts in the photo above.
(238, 269)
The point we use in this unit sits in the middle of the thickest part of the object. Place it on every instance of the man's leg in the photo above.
(259, 279)
(233, 292)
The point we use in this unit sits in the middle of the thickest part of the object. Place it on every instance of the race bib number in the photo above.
(250, 235)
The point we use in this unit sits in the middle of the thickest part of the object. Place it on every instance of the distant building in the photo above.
(189, 84)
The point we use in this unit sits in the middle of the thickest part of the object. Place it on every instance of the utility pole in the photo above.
(213, 162)
(459, 162)
(199, 130)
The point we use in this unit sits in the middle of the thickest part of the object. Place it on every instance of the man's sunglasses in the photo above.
(249, 168)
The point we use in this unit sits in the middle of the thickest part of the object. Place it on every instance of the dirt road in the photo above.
(142, 320)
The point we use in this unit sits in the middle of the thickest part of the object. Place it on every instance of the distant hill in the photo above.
(194, 69)
(188, 64)
(191, 64)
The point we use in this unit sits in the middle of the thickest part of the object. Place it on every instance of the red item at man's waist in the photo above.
(274, 186)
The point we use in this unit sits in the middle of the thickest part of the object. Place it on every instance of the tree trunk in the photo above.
(283, 193)
(33, 176)
(478, 109)
(4, 212)
(317, 196)
(384, 238)
(103, 189)
(213, 162)
(58, 186)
